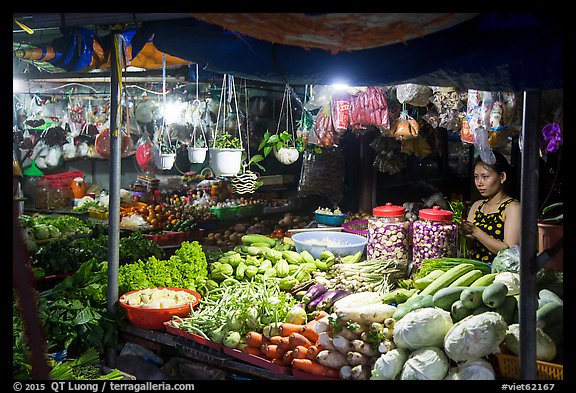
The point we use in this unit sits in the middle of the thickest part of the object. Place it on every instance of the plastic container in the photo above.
(434, 235)
(154, 318)
(339, 243)
(42, 194)
(509, 368)
(62, 198)
(330, 219)
(78, 187)
(359, 227)
(388, 233)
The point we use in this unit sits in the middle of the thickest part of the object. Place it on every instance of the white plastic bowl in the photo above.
(351, 243)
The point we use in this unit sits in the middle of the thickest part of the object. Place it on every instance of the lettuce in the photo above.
(423, 327)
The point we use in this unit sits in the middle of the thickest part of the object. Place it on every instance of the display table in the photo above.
(163, 342)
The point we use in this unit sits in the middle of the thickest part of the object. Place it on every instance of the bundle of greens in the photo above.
(187, 268)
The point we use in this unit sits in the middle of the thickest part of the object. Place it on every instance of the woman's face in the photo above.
(487, 180)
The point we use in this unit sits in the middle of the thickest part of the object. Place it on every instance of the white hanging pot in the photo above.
(197, 155)
(287, 155)
(165, 161)
(225, 162)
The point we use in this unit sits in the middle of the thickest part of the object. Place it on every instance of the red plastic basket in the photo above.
(154, 318)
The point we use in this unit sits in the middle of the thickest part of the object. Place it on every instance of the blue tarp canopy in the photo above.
(490, 51)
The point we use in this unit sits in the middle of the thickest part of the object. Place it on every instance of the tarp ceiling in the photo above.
(488, 51)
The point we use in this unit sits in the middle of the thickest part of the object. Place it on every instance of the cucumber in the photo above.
(485, 280)
(508, 309)
(467, 279)
(423, 282)
(481, 309)
(398, 295)
(446, 296)
(471, 297)
(414, 303)
(447, 278)
(495, 294)
(549, 314)
(257, 238)
(458, 311)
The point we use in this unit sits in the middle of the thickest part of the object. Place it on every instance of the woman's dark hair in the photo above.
(500, 165)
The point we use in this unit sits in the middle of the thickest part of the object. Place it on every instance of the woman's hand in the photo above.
(466, 228)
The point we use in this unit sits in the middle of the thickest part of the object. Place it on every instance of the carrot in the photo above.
(299, 352)
(286, 329)
(312, 351)
(275, 339)
(280, 361)
(252, 350)
(287, 357)
(285, 344)
(321, 314)
(298, 339)
(309, 332)
(272, 351)
(313, 367)
(254, 339)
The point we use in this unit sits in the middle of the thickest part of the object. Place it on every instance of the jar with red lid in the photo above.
(388, 233)
(434, 235)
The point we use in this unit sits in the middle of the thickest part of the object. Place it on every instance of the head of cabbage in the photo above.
(424, 327)
(428, 363)
(475, 336)
(389, 365)
(477, 369)
(545, 346)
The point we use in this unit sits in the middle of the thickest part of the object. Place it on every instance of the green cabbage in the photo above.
(545, 346)
(428, 363)
(424, 327)
(478, 369)
(475, 336)
(389, 365)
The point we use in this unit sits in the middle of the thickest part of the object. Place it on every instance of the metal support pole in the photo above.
(529, 235)
(114, 185)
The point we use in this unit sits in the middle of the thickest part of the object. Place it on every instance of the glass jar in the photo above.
(42, 194)
(62, 198)
(388, 233)
(434, 235)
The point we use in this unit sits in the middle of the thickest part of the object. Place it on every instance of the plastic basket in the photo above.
(358, 227)
(509, 367)
(249, 211)
(225, 213)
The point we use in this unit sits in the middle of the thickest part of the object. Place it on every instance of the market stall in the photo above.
(229, 225)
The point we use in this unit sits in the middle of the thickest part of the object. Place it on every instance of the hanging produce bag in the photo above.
(369, 107)
(102, 143)
(413, 94)
(323, 174)
(405, 127)
(324, 134)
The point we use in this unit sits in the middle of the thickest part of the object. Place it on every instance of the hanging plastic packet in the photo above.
(369, 108)
(146, 154)
(340, 107)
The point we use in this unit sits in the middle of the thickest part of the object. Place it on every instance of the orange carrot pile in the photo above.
(294, 345)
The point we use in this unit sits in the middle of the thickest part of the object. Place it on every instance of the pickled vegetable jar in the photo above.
(62, 197)
(434, 235)
(388, 233)
(42, 194)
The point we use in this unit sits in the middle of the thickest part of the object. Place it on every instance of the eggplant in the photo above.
(313, 292)
(330, 297)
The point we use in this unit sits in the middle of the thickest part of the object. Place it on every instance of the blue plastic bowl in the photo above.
(314, 242)
(330, 219)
